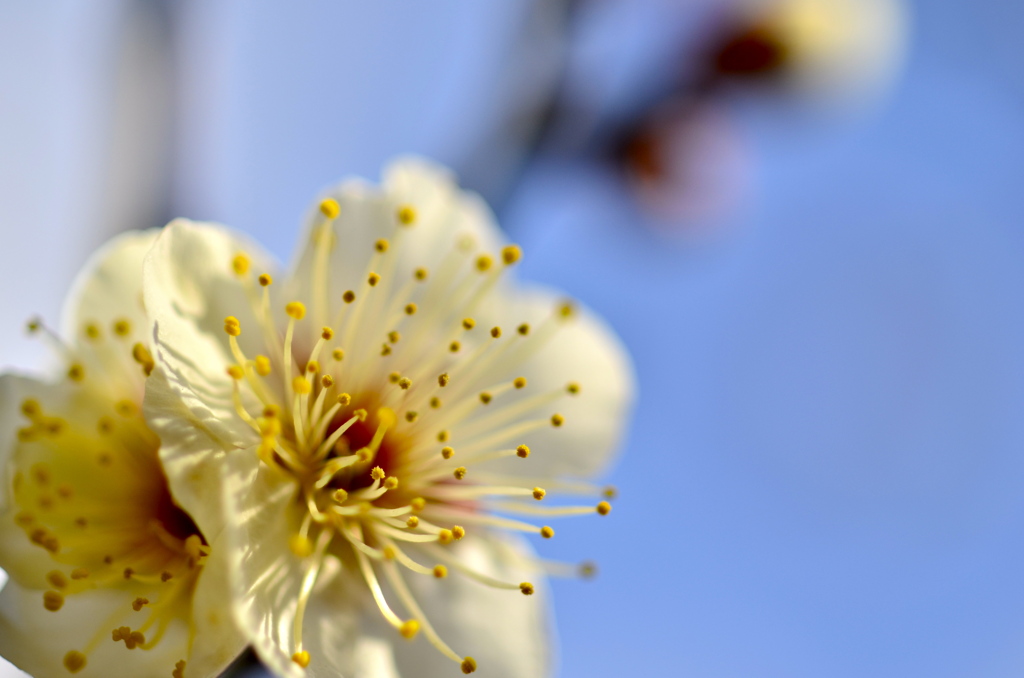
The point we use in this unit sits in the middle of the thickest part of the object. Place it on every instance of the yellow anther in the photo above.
(74, 661)
(377, 473)
(348, 297)
(299, 545)
(92, 331)
(443, 380)
(53, 600)
(519, 382)
(406, 215)
(404, 383)
(409, 629)
(573, 388)
(391, 482)
(266, 280)
(381, 245)
(435, 402)
(411, 416)
(447, 452)
(495, 332)
(610, 492)
(511, 254)
(394, 336)
(445, 536)
(312, 367)
(330, 208)
(547, 532)
(344, 399)
(443, 436)
(566, 309)
(413, 521)
(459, 473)
(139, 603)
(390, 553)
(484, 263)
(522, 451)
(76, 372)
(240, 264)
(235, 372)
(326, 381)
(557, 420)
(385, 349)
(394, 377)
(604, 508)
(538, 493)
(262, 365)
(31, 408)
(166, 577)
(527, 588)
(327, 334)
(360, 414)
(468, 323)
(79, 573)
(418, 504)
(468, 665)
(372, 279)
(302, 658)
(340, 496)
(128, 572)
(295, 309)
(420, 274)
(179, 669)
(410, 309)
(486, 398)
(122, 327)
(33, 325)
(105, 425)
(440, 571)
(454, 347)
(523, 329)
(57, 579)
(458, 532)
(231, 326)
(142, 356)
(338, 354)
(301, 386)
(125, 408)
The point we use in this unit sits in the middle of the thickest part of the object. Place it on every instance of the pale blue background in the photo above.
(825, 477)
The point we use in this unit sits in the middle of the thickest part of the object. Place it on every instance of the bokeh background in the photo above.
(821, 280)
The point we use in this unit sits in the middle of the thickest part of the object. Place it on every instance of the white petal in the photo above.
(189, 289)
(508, 634)
(109, 286)
(36, 640)
(445, 215)
(583, 349)
(216, 640)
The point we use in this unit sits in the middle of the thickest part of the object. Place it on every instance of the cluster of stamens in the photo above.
(92, 493)
(376, 418)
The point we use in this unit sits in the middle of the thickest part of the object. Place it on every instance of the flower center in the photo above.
(381, 425)
(92, 493)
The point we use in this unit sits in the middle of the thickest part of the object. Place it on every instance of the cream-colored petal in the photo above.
(444, 217)
(109, 288)
(508, 634)
(580, 349)
(36, 640)
(216, 641)
(189, 289)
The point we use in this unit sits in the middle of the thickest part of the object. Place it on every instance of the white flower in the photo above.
(101, 559)
(392, 410)
(833, 49)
